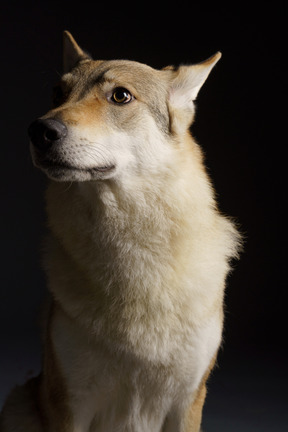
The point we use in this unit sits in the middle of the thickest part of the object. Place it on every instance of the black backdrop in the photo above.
(239, 124)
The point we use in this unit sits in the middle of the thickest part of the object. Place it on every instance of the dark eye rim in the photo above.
(127, 96)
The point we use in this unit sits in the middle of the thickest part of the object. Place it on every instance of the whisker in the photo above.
(96, 153)
(68, 187)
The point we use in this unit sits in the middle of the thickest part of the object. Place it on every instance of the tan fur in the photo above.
(194, 415)
(136, 259)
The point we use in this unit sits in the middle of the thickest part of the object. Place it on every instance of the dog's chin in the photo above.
(67, 173)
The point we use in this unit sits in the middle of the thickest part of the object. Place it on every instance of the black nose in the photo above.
(45, 132)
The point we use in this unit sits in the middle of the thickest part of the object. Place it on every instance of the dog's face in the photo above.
(111, 118)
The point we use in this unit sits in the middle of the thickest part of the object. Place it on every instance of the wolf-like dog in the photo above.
(137, 256)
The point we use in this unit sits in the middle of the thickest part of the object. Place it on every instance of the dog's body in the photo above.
(137, 257)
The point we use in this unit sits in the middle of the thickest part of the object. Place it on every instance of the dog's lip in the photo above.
(46, 164)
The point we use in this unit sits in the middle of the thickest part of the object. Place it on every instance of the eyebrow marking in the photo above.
(92, 81)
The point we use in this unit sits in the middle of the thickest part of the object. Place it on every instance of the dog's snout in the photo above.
(44, 133)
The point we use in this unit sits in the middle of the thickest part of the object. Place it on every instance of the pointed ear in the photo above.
(72, 53)
(185, 85)
(189, 80)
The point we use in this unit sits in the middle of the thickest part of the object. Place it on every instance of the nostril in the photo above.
(44, 133)
(52, 135)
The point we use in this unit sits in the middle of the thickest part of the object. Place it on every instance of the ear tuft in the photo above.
(72, 53)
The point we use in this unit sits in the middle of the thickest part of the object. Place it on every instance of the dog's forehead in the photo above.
(138, 76)
(129, 70)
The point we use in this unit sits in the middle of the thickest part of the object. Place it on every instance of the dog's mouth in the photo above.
(65, 172)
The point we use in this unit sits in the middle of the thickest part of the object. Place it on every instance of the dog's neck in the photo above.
(132, 243)
(136, 209)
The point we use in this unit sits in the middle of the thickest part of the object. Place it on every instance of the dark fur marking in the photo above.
(162, 118)
(93, 80)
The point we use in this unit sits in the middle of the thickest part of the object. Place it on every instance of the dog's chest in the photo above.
(139, 330)
(115, 388)
(136, 285)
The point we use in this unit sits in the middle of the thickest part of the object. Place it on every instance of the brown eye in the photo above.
(121, 96)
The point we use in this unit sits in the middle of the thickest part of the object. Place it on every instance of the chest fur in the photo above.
(143, 277)
(113, 387)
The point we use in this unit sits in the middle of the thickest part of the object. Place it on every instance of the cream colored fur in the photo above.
(136, 261)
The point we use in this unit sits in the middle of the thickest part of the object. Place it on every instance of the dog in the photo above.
(137, 256)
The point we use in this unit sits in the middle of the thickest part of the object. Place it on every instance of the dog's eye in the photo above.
(121, 96)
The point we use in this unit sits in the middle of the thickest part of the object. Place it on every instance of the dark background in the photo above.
(239, 124)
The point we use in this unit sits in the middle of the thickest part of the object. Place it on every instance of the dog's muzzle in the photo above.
(43, 133)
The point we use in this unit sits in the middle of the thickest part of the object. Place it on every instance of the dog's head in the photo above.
(114, 117)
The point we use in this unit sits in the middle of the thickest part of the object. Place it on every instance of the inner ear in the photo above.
(72, 53)
(185, 83)
(189, 79)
